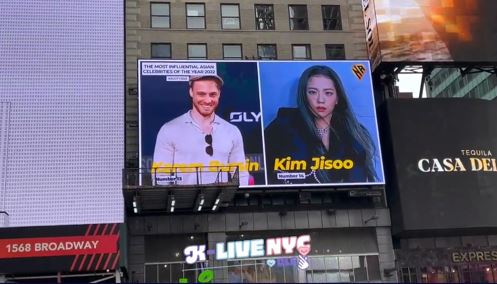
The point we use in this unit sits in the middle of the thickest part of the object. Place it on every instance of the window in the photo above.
(266, 51)
(230, 16)
(332, 20)
(161, 50)
(301, 51)
(298, 17)
(195, 16)
(335, 51)
(264, 17)
(159, 15)
(232, 51)
(197, 51)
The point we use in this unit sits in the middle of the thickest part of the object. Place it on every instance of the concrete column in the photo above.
(220, 275)
(386, 255)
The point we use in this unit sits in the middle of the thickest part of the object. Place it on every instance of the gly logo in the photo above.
(245, 116)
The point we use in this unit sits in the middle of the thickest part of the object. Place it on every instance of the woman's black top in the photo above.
(289, 136)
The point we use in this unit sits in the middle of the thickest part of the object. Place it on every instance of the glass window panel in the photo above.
(195, 10)
(151, 273)
(346, 272)
(229, 11)
(161, 9)
(161, 50)
(264, 17)
(290, 274)
(309, 276)
(190, 272)
(264, 272)
(301, 52)
(359, 266)
(298, 11)
(197, 51)
(234, 272)
(318, 277)
(298, 17)
(164, 273)
(373, 266)
(249, 274)
(278, 273)
(345, 262)
(231, 23)
(176, 272)
(331, 17)
(232, 51)
(266, 51)
(317, 263)
(335, 51)
(332, 276)
(195, 23)
(331, 262)
(160, 22)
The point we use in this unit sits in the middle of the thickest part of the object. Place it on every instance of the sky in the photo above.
(410, 83)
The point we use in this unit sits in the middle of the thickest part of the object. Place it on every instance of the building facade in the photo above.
(214, 30)
(349, 229)
(451, 82)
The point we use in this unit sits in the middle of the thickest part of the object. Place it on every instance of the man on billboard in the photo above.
(200, 147)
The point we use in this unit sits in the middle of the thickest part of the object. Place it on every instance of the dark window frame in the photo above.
(336, 47)
(160, 16)
(161, 43)
(197, 58)
(188, 17)
(230, 17)
(328, 21)
(267, 45)
(299, 20)
(267, 20)
(233, 58)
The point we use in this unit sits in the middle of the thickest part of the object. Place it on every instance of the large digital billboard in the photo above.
(268, 123)
(445, 170)
(431, 30)
(61, 112)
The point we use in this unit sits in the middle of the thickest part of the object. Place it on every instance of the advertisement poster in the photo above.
(258, 122)
(444, 170)
(433, 30)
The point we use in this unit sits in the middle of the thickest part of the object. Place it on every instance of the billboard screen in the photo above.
(432, 30)
(61, 112)
(271, 123)
(445, 167)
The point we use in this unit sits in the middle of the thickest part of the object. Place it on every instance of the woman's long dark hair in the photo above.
(343, 122)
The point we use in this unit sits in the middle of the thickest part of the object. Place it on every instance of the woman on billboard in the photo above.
(321, 140)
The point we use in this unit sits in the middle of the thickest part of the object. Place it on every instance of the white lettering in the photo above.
(273, 246)
(288, 244)
(242, 249)
(220, 252)
(194, 254)
(257, 248)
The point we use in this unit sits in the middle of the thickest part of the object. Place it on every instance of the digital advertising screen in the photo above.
(61, 112)
(431, 30)
(445, 171)
(266, 123)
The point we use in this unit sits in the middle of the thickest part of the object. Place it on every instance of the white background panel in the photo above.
(62, 73)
